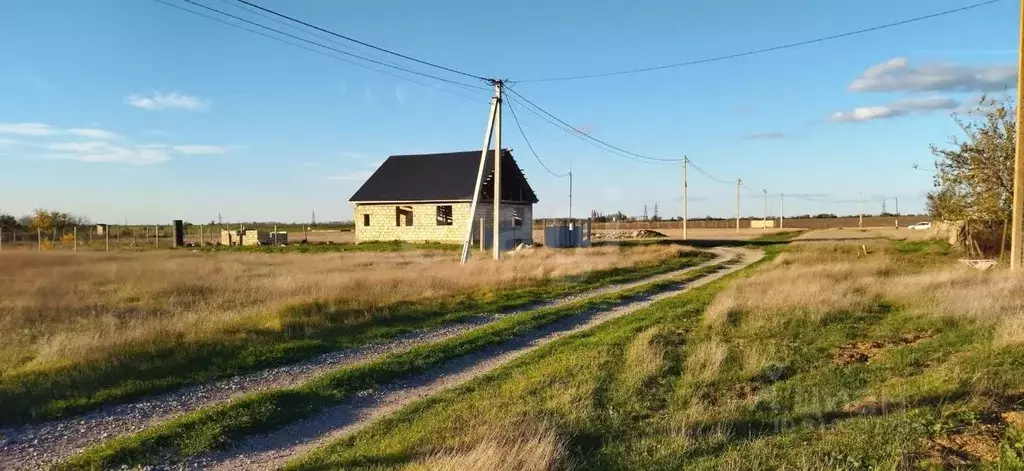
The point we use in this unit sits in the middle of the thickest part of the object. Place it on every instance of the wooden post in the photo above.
(39, 238)
(74, 235)
(156, 232)
(106, 238)
(275, 234)
(1017, 224)
(200, 235)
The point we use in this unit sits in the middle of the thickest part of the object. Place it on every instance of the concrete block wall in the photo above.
(425, 229)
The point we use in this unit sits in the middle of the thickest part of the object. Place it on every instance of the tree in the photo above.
(46, 220)
(974, 176)
(8, 222)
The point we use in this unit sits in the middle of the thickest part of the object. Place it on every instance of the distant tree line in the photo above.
(42, 219)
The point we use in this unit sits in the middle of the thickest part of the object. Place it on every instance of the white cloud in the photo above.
(95, 134)
(8, 142)
(107, 152)
(896, 109)
(354, 176)
(27, 129)
(897, 75)
(201, 150)
(764, 136)
(168, 101)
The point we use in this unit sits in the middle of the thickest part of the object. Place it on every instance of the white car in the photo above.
(921, 226)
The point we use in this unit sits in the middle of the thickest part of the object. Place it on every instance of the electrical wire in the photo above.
(528, 144)
(347, 38)
(586, 136)
(309, 41)
(317, 51)
(689, 162)
(760, 51)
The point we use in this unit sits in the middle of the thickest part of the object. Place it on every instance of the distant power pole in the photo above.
(860, 211)
(220, 220)
(738, 183)
(764, 218)
(684, 197)
(312, 222)
(645, 213)
(655, 210)
(782, 201)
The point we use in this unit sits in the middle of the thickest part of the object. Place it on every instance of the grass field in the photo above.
(823, 358)
(82, 330)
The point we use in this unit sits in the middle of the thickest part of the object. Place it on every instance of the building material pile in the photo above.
(639, 234)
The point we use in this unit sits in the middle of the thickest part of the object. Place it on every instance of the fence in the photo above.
(745, 223)
(105, 237)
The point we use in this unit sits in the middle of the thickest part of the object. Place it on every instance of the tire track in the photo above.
(272, 450)
(37, 445)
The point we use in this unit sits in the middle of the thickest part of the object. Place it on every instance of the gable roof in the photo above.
(443, 177)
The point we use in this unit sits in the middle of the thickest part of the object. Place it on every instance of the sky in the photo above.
(133, 110)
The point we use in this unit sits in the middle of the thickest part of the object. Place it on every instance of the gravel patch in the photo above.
(271, 450)
(37, 445)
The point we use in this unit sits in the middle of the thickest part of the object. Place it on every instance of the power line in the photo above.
(528, 144)
(689, 162)
(760, 51)
(576, 131)
(317, 51)
(347, 38)
(309, 41)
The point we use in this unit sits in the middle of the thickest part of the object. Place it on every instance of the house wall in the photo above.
(382, 223)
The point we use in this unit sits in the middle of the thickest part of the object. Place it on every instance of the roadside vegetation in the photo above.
(82, 330)
(867, 355)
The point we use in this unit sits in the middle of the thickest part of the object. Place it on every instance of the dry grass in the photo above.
(705, 360)
(518, 449)
(817, 278)
(645, 357)
(62, 307)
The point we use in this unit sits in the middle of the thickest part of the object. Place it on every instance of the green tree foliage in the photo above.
(974, 175)
(7, 221)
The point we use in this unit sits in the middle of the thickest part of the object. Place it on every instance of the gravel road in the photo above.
(38, 445)
(269, 451)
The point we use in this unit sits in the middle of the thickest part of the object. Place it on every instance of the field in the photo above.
(81, 329)
(878, 352)
(823, 358)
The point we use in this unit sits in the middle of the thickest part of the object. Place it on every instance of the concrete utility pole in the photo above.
(764, 218)
(495, 102)
(570, 191)
(1018, 165)
(496, 243)
(782, 202)
(738, 183)
(684, 197)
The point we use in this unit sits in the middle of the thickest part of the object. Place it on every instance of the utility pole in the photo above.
(645, 213)
(684, 197)
(496, 243)
(738, 183)
(655, 210)
(1018, 165)
(570, 192)
(479, 179)
(764, 218)
(782, 202)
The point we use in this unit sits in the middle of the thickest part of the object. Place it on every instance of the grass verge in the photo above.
(206, 430)
(33, 396)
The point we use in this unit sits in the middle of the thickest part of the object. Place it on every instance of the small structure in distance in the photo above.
(427, 198)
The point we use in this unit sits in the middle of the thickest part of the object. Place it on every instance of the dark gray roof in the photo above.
(443, 177)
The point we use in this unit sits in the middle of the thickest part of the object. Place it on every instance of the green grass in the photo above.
(793, 406)
(213, 428)
(43, 395)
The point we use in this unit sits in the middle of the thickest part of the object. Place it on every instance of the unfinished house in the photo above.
(427, 198)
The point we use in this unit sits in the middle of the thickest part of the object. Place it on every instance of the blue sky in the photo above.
(121, 109)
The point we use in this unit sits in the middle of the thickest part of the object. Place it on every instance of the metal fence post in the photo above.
(156, 232)
(74, 243)
(39, 238)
